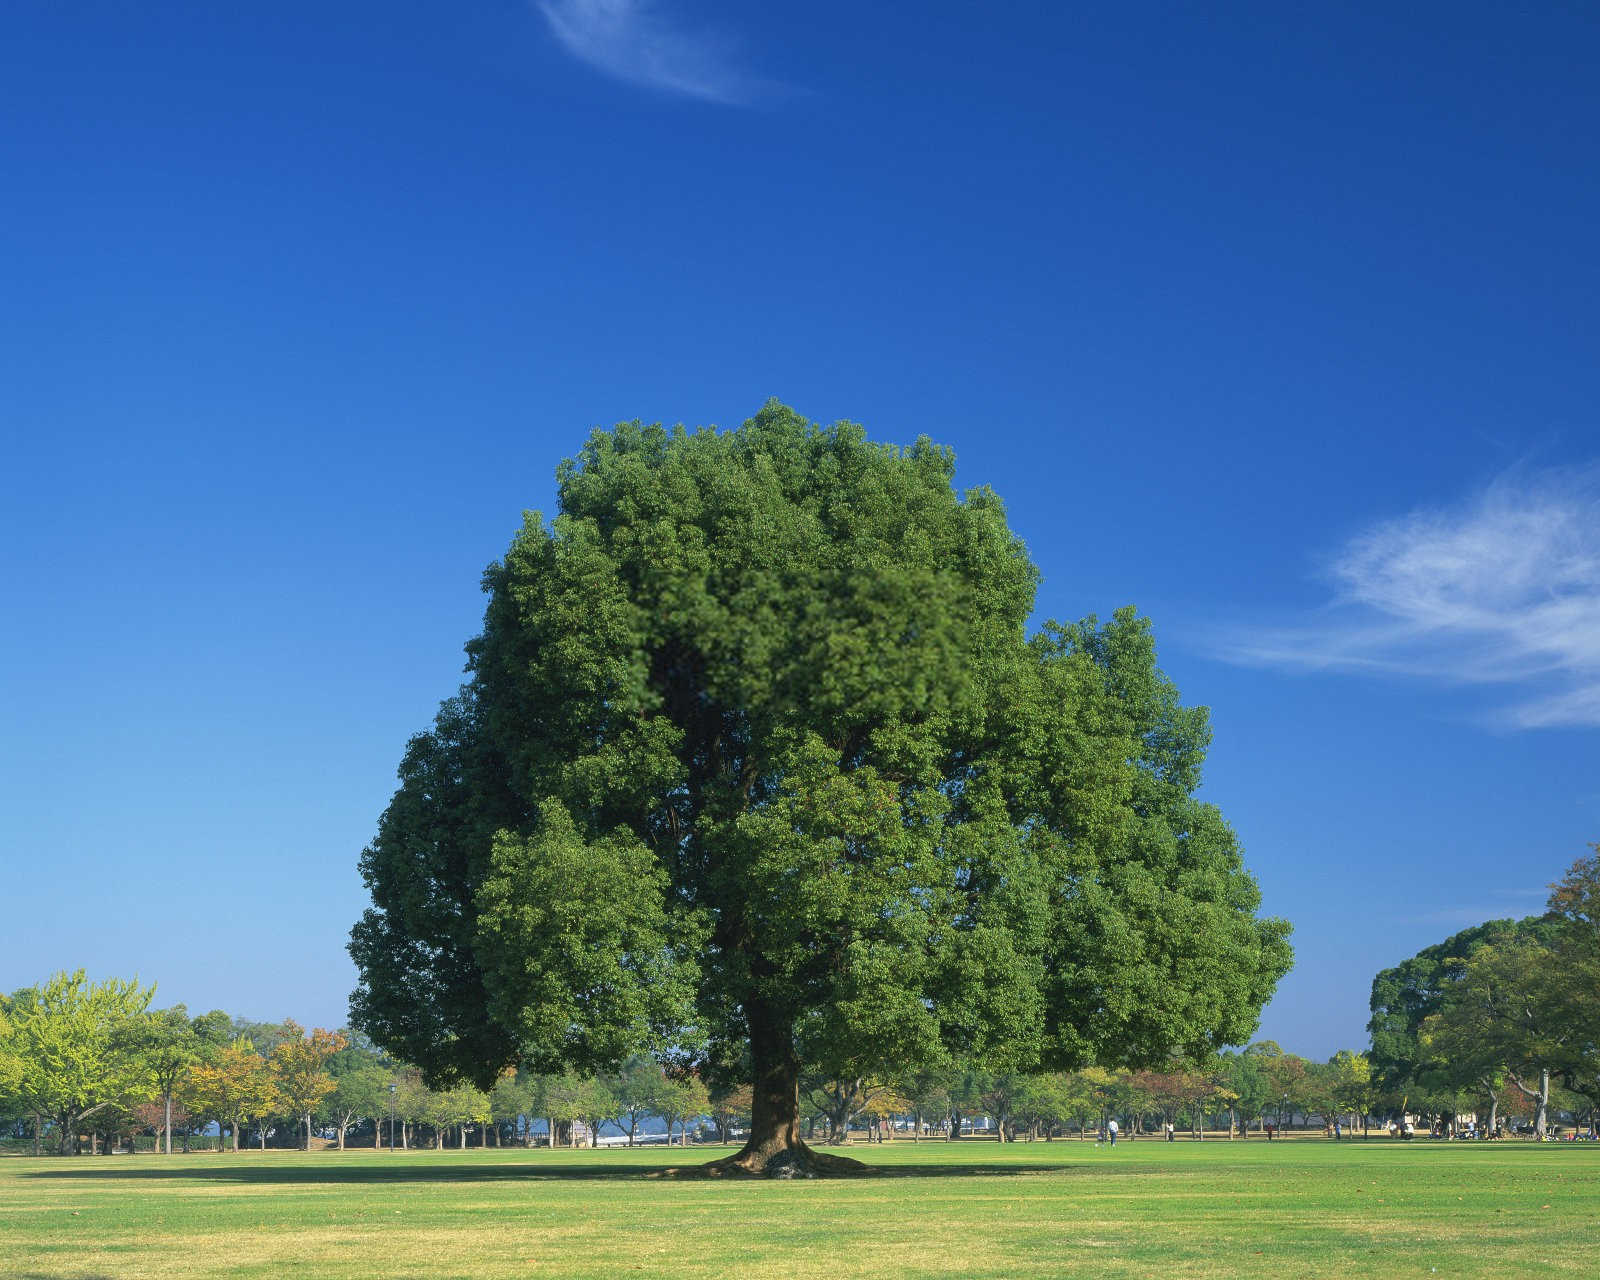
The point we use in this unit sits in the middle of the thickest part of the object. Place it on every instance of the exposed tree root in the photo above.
(798, 1161)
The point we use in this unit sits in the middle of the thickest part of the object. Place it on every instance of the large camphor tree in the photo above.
(759, 765)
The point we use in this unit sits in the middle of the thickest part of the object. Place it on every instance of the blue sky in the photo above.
(1278, 324)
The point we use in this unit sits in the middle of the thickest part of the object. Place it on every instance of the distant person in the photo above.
(1270, 1130)
(1111, 1132)
(1336, 1132)
(1170, 1137)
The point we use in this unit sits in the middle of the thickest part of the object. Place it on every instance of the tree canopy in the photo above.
(758, 764)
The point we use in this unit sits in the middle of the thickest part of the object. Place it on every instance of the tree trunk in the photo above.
(341, 1137)
(308, 1131)
(774, 1149)
(166, 1125)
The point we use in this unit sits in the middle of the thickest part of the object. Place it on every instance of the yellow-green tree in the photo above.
(300, 1070)
(72, 1039)
(235, 1089)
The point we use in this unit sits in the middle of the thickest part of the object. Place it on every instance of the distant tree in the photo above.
(10, 1062)
(565, 1101)
(1245, 1077)
(881, 1111)
(359, 1093)
(471, 1106)
(1574, 906)
(509, 1101)
(1080, 1100)
(638, 1089)
(730, 1107)
(265, 1036)
(235, 1088)
(683, 1100)
(412, 1100)
(927, 1094)
(1288, 1078)
(1508, 1009)
(599, 1104)
(441, 1112)
(756, 740)
(300, 1070)
(1350, 1079)
(841, 1098)
(1045, 1105)
(1000, 1097)
(170, 1043)
(74, 1041)
(1404, 996)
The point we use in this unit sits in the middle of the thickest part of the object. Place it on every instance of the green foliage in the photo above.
(640, 1089)
(168, 1043)
(361, 1093)
(755, 719)
(510, 1098)
(75, 1042)
(1575, 942)
(1405, 996)
(10, 1061)
(580, 959)
(682, 1100)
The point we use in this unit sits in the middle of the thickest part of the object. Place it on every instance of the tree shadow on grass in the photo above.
(58, 1275)
(354, 1175)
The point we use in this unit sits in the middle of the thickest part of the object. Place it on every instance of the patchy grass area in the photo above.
(1301, 1208)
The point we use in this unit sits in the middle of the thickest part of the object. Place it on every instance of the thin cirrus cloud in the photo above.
(1503, 589)
(640, 43)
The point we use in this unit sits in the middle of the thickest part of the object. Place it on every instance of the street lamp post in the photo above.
(392, 1087)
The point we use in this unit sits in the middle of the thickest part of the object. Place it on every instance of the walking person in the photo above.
(1111, 1131)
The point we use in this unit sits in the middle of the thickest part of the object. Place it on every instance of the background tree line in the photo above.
(92, 1066)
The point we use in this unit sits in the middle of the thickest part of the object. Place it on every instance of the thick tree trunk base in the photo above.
(790, 1161)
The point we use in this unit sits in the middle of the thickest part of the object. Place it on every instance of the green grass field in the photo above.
(1288, 1209)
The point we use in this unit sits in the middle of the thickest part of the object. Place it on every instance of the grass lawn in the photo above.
(971, 1209)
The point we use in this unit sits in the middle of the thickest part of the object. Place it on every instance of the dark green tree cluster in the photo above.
(1505, 1009)
(759, 768)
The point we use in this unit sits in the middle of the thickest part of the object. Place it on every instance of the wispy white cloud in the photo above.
(1501, 589)
(639, 42)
